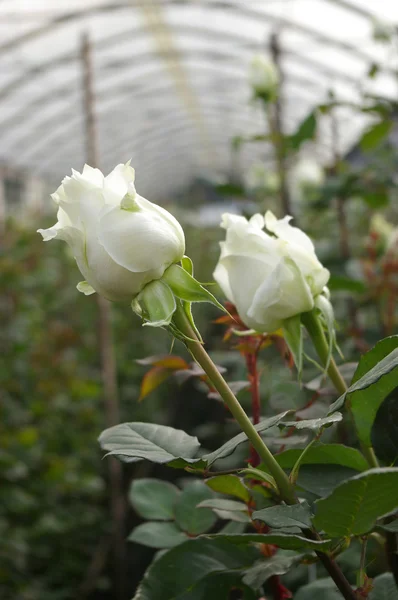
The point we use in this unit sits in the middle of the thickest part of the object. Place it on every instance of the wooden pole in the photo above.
(276, 126)
(107, 352)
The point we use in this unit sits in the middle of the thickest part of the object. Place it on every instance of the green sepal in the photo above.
(326, 310)
(292, 332)
(155, 304)
(185, 287)
(187, 265)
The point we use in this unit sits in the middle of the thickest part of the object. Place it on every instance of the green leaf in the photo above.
(337, 283)
(153, 498)
(287, 541)
(322, 588)
(229, 484)
(232, 444)
(278, 564)
(233, 527)
(185, 287)
(306, 131)
(131, 442)
(322, 454)
(384, 588)
(314, 424)
(187, 570)
(227, 509)
(376, 376)
(155, 304)
(277, 517)
(375, 135)
(384, 432)
(188, 516)
(230, 189)
(377, 199)
(393, 526)
(292, 332)
(158, 535)
(322, 479)
(354, 506)
(259, 474)
(223, 504)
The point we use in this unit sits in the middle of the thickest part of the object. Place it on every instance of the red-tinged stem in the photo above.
(254, 378)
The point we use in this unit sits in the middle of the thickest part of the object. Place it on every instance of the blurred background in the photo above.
(168, 84)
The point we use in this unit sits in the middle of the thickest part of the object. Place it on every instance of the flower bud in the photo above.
(270, 278)
(120, 240)
(263, 77)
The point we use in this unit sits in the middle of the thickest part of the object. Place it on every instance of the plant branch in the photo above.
(198, 352)
(286, 489)
(254, 378)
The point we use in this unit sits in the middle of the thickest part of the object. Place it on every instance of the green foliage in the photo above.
(322, 588)
(282, 516)
(375, 135)
(153, 498)
(278, 564)
(354, 506)
(233, 443)
(375, 377)
(323, 454)
(157, 443)
(384, 588)
(188, 516)
(189, 571)
(158, 535)
(282, 540)
(230, 485)
(384, 433)
(306, 131)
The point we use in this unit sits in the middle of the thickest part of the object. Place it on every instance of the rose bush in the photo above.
(268, 277)
(120, 240)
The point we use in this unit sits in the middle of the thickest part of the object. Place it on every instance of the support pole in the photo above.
(107, 351)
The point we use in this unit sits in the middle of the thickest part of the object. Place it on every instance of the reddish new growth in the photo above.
(249, 346)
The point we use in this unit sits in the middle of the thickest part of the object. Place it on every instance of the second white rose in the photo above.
(269, 278)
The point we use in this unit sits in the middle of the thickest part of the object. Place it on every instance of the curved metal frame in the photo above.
(212, 60)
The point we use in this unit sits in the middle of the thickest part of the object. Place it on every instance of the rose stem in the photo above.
(254, 378)
(286, 489)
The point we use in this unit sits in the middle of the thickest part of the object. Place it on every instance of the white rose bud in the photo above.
(120, 241)
(263, 77)
(269, 278)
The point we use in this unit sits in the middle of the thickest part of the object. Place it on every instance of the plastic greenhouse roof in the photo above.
(170, 79)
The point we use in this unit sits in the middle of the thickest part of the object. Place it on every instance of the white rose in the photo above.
(268, 278)
(263, 76)
(120, 241)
